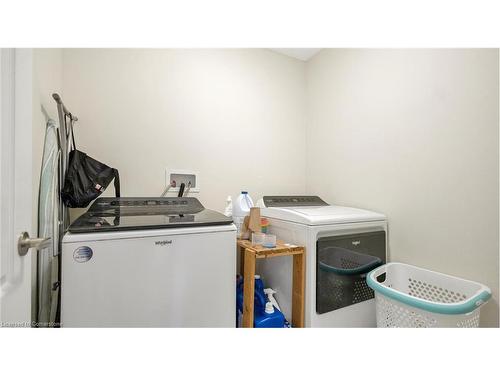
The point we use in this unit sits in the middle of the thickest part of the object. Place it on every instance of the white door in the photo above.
(16, 185)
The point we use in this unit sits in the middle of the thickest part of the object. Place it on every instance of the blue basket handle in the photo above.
(351, 271)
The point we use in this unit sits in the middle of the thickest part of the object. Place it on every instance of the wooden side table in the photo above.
(249, 255)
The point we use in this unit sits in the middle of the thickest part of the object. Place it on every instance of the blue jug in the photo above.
(263, 318)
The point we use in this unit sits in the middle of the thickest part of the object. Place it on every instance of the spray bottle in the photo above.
(270, 297)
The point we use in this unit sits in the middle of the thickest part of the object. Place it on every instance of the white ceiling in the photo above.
(303, 54)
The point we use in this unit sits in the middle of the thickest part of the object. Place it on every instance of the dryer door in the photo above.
(342, 263)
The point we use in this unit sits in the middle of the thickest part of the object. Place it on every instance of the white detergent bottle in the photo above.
(241, 208)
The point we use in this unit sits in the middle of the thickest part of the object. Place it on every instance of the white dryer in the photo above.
(149, 262)
(342, 245)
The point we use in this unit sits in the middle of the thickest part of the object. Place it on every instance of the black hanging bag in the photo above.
(86, 179)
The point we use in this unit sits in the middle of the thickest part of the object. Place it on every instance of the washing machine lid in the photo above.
(123, 214)
(318, 213)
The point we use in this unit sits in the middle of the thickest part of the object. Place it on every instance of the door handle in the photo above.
(25, 243)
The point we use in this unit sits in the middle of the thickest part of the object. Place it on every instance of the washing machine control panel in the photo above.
(293, 201)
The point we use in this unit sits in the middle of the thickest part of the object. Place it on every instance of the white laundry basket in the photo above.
(408, 296)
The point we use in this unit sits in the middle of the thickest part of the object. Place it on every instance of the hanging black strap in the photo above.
(117, 182)
(70, 129)
(72, 135)
(65, 130)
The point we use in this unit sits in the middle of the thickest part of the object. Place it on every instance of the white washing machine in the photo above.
(149, 262)
(342, 245)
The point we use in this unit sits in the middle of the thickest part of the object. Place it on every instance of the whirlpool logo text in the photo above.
(163, 243)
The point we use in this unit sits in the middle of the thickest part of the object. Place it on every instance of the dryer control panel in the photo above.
(293, 201)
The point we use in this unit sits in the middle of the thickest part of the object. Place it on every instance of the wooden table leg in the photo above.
(298, 290)
(248, 288)
(241, 253)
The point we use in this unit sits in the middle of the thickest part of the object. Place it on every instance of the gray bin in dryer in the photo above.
(342, 263)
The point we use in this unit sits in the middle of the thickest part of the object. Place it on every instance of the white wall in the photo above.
(413, 134)
(237, 116)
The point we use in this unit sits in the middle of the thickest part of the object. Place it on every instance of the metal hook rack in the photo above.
(65, 132)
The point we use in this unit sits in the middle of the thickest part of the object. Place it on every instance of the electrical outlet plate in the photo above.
(180, 176)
